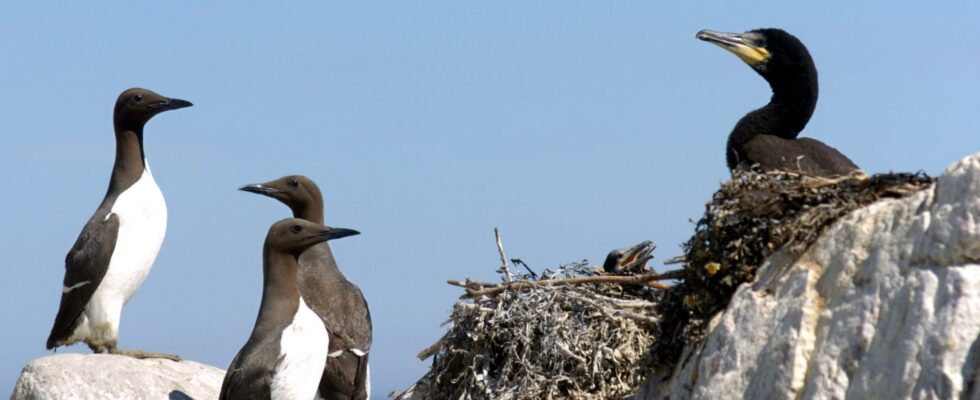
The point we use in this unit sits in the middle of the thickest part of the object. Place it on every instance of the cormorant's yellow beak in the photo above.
(739, 44)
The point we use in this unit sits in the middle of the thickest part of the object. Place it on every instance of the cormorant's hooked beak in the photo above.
(260, 189)
(171, 104)
(337, 233)
(639, 253)
(629, 258)
(738, 44)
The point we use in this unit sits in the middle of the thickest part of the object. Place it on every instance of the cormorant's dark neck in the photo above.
(130, 159)
(280, 291)
(793, 101)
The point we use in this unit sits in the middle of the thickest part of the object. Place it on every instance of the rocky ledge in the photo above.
(102, 376)
(885, 304)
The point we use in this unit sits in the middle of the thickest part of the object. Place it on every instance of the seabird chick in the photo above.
(629, 260)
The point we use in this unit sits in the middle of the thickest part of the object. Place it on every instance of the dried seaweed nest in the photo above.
(748, 219)
(575, 334)
(576, 341)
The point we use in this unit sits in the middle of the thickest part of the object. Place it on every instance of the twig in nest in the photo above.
(675, 274)
(503, 257)
(645, 280)
(469, 284)
(616, 312)
(433, 349)
(518, 261)
(675, 260)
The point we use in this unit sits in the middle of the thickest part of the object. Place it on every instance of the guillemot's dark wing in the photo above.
(252, 370)
(346, 373)
(85, 266)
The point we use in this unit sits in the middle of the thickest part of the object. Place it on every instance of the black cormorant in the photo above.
(767, 136)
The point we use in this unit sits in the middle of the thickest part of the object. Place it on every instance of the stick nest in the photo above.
(573, 334)
(582, 341)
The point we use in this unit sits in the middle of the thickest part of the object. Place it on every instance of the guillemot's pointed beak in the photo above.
(751, 53)
(259, 188)
(337, 233)
(172, 104)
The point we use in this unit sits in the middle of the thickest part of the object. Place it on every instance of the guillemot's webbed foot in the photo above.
(142, 354)
(97, 348)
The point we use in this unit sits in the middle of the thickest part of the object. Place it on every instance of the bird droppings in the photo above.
(599, 340)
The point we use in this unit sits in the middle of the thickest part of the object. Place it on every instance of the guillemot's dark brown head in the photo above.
(293, 235)
(136, 106)
(297, 192)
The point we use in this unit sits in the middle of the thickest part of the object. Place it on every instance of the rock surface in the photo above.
(102, 376)
(886, 304)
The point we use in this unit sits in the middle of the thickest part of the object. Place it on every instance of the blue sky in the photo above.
(575, 127)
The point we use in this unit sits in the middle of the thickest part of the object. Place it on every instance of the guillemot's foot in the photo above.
(144, 355)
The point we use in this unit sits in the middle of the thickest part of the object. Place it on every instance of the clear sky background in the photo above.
(575, 127)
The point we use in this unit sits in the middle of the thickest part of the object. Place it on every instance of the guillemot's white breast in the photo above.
(142, 214)
(303, 349)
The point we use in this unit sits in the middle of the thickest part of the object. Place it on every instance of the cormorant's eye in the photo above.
(138, 98)
(761, 42)
(296, 228)
(293, 183)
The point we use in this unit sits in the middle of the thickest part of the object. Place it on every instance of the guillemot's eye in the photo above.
(138, 98)
(293, 183)
(296, 228)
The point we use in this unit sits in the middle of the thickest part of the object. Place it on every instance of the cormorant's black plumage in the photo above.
(767, 137)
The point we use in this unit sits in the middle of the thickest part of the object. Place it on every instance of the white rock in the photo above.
(101, 376)
(885, 305)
